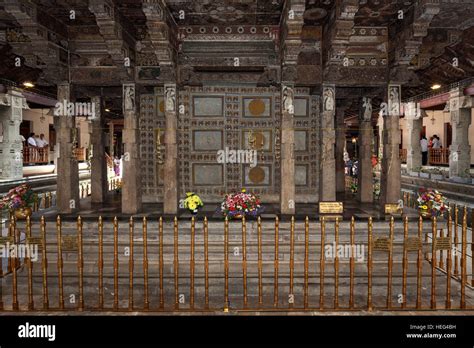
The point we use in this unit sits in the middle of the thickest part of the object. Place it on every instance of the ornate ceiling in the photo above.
(352, 43)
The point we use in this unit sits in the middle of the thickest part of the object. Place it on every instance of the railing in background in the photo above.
(370, 287)
(438, 156)
(35, 155)
(403, 155)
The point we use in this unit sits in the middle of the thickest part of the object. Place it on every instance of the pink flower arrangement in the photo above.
(18, 197)
(240, 204)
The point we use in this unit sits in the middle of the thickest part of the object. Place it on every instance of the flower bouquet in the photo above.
(431, 203)
(193, 202)
(237, 205)
(19, 199)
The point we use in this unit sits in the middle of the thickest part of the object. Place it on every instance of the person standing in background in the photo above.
(436, 142)
(424, 150)
(31, 140)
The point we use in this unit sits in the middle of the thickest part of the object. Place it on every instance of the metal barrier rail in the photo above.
(436, 249)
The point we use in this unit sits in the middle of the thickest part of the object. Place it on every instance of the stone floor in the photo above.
(112, 207)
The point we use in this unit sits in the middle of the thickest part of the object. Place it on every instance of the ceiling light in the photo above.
(436, 86)
(108, 110)
(28, 84)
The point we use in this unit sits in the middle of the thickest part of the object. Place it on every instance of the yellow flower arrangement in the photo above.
(193, 202)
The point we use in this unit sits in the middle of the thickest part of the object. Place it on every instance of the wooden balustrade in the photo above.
(35, 155)
(403, 155)
(438, 156)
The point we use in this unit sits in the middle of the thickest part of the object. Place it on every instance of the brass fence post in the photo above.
(292, 259)
(351, 265)
(130, 264)
(419, 263)
(441, 253)
(226, 264)
(244, 260)
(31, 305)
(191, 266)
(60, 263)
(176, 264)
(456, 241)
(405, 261)
(464, 259)
(369, 266)
(449, 264)
(160, 232)
(260, 262)
(44, 265)
(15, 304)
(101, 263)
(433, 262)
(80, 263)
(146, 303)
(306, 261)
(116, 265)
(321, 264)
(206, 264)
(336, 264)
(275, 264)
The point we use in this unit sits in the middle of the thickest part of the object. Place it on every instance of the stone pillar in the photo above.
(391, 165)
(111, 139)
(98, 161)
(11, 114)
(131, 183)
(287, 190)
(67, 167)
(327, 169)
(460, 149)
(365, 189)
(414, 123)
(340, 145)
(170, 181)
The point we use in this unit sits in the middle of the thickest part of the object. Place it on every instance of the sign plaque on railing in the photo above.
(443, 243)
(382, 244)
(331, 207)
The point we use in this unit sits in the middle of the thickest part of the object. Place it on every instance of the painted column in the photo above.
(460, 149)
(414, 123)
(365, 189)
(327, 181)
(67, 166)
(98, 162)
(170, 181)
(131, 183)
(340, 144)
(391, 165)
(287, 191)
(12, 104)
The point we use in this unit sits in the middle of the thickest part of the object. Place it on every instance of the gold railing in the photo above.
(34, 155)
(193, 286)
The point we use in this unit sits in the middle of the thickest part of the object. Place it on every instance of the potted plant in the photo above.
(19, 201)
(238, 205)
(193, 202)
(431, 203)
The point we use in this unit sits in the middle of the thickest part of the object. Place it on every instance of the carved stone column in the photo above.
(11, 114)
(131, 183)
(67, 167)
(414, 123)
(460, 149)
(391, 165)
(287, 192)
(98, 161)
(365, 189)
(327, 170)
(340, 144)
(170, 204)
